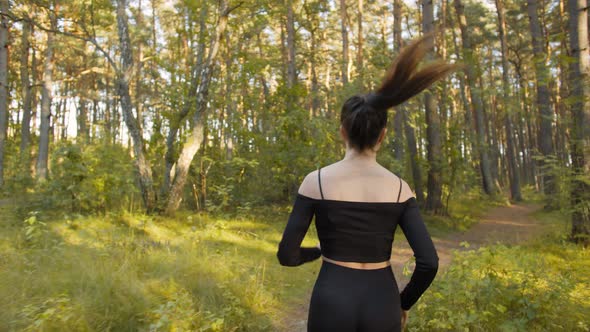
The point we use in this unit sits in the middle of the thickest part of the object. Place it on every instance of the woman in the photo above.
(358, 205)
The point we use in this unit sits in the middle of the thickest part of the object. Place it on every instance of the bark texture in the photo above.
(476, 101)
(580, 137)
(123, 78)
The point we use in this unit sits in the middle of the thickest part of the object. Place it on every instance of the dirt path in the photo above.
(506, 224)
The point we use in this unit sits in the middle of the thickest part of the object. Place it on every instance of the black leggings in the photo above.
(346, 299)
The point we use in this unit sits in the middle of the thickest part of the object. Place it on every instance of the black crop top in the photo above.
(360, 232)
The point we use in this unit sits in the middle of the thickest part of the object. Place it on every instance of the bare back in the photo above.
(356, 181)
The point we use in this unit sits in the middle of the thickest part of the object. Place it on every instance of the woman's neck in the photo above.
(367, 156)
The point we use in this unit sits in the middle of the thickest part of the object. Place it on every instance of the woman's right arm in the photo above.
(426, 257)
(290, 252)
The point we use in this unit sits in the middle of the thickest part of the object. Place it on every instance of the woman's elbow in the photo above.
(433, 261)
(286, 258)
(433, 265)
(429, 264)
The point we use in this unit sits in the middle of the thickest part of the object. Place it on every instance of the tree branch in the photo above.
(228, 10)
(86, 38)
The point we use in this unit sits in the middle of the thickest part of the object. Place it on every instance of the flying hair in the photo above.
(404, 80)
(364, 116)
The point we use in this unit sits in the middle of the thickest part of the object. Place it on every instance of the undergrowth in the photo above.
(141, 273)
(540, 286)
(212, 272)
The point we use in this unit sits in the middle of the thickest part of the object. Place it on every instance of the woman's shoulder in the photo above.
(310, 185)
(405, 191)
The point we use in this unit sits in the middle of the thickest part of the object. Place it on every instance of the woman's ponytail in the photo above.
(401, 82)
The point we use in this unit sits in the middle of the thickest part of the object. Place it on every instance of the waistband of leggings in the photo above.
(351, 269)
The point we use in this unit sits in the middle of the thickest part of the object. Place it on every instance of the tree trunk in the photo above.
(46, 97)
(359, 49)
(467, 127)
(510, 153)
(477, 103)
(177, 120)
(315, 86)
(27, 97)
(522, 147)
(123, 79)
(138, 98)
(434, 186)
(562, 151)
(82, 119)
(59, 129)
(544, 106)
(580, 136)
(398, 120)
(3, 85)
(108, 125)
(228, 111)
(401, 109)
(344, 29)
(528, 161)
(291, 63)
(196, 135)
(443, 98)
(95, 112)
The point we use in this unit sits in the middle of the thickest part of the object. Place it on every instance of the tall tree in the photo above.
(344, 30)
(46, 98)
(27, 96)
(543, 103)
(580, 137)
(196, 135)
(177, 119)
(476, 100)
(291, 62)
(82, 118)
(468, 124)
(398, 120)
(403, 110)
(506, 105)
(360, 44)
(312, 25)
(434, 152)
(139, 46)
(3, 84)
(122, 81)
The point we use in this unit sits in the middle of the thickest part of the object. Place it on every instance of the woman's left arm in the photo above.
(290, 252)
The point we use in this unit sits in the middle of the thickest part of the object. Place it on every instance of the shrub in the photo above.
(531, 288)
(89, 178)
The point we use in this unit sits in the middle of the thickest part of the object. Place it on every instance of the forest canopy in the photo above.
(229, 104)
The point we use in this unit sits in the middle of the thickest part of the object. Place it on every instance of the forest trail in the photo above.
(505, 224)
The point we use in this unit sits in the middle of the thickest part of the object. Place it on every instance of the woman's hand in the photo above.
(404, 319)
(319, 246)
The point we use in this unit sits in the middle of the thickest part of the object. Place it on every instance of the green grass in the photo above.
(539, 286)
(199, 272)
(129, 273)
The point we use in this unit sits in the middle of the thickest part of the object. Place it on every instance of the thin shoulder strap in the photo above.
(400, 188)
(320, 182)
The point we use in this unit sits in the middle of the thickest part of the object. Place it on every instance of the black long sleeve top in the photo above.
(360, 232)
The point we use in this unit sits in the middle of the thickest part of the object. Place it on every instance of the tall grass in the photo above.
(198, 272)
(139, 273)
(543, 285)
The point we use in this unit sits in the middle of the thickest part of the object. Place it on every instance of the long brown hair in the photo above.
(364, 116)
